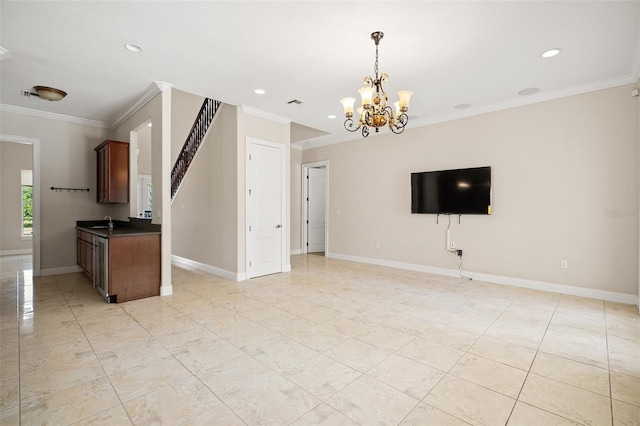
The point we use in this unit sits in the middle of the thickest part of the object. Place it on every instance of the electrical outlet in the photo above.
(564, 264)
(452, 245)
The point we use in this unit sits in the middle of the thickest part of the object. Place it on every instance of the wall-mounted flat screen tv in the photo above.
(461, 191)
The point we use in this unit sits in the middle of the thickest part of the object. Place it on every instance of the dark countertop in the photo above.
(133, 227)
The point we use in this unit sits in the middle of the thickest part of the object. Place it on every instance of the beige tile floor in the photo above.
(330, 343)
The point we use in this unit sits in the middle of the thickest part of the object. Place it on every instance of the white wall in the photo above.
(296, 205)
(144, 151)
(67, 160)
(273, 131)
(209, 209)
(158, 111)
(204, 209)
(151, 111)
(562, 172)
(14, 157)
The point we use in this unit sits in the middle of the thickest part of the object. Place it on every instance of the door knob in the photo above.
(278, 226)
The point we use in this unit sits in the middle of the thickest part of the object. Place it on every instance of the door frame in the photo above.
(305, 168)
(249, 213)
(35, 152)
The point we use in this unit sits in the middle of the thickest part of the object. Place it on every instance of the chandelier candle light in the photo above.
(374, 112)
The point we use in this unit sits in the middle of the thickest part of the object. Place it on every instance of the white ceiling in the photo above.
(448, 53)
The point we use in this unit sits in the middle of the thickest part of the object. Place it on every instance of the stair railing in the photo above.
(191, 145)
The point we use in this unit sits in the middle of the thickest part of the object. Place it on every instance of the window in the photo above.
(26, 181)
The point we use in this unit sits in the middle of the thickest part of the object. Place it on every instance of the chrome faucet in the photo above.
(110, 222)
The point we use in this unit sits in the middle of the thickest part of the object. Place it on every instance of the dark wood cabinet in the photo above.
(134, 267)
(133, 264)
(84, 252)
(113, 172)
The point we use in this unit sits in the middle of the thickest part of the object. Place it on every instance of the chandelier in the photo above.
(374, 112)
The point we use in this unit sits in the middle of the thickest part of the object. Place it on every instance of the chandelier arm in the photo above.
(367, 119)
(396, 129)
(399, 124)
(403, 119)
(365, 131)
(348, 124)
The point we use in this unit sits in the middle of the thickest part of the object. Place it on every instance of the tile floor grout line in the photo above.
(97, 359)
(19, 339)
(532, 362)
(531, 366)
(606, 337)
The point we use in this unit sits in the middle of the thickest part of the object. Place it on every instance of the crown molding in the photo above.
(53, 116)
(335, 138)
(265, 114)
(533, 99)
(150, 92)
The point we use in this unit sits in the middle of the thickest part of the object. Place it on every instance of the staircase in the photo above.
(191, 145)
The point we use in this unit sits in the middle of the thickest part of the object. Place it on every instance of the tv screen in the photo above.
(461, 191)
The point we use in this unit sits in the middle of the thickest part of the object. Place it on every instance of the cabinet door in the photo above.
(118, 173)
(89, 256)
(80, 254)
(113, 172)
(103, 184)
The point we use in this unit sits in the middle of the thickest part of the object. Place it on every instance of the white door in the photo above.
(316, 209)
(265, 227)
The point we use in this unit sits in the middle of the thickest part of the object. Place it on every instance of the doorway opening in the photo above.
(315, 207)
(140, 147)
(35, 201)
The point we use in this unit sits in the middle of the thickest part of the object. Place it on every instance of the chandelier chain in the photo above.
(375, 68)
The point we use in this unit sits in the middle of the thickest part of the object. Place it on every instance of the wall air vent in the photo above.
(294, 102)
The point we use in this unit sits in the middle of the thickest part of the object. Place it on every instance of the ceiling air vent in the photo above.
(294, 101)
(30, 94)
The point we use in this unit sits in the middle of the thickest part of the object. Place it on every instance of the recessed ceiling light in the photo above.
(150, 124)
(331, 116)
(259, 92)
(462, 106)
(528, 91)
(550, 53)
(133, 47)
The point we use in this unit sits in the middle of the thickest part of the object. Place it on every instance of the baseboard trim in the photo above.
(610, 296)
(208, 268)
(60, 271)
(296, 251)
(14, 252)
